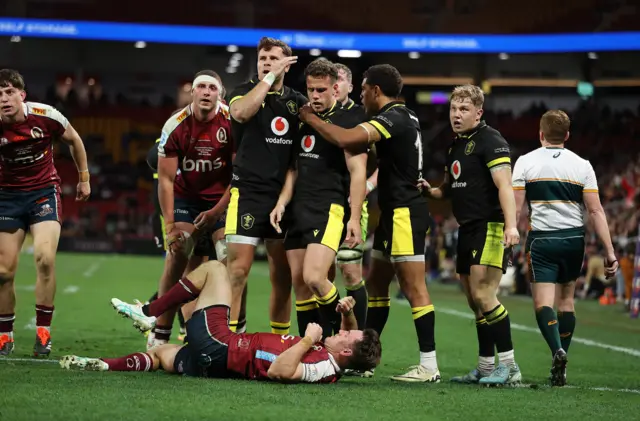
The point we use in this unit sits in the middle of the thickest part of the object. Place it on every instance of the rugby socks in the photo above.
(280, 328)
(500, 325)
(566, 326)
(182, 292)
(153, 297)
(238, 326)
(330, 318)
(162, 333)
(359, 293)
(378, 313)
(139, 361)
(307, 311)
(486, 347)
(44, 314)
(6, 323)
(548, 325)
(424, 319)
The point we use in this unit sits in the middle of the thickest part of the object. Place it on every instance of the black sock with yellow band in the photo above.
(424, 318)
(359, 293)
(498, 321)
(328, 315)
(307, 312)
(378, 313)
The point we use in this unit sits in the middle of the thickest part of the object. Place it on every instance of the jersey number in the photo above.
(418, 146)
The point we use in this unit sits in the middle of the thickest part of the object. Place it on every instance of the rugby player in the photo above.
(555, 182)
(350, 259)
(399, 241)
(198, 142)
(265, 123)
(478, 181)
(30, 200)
(214, 350)
(324, 178)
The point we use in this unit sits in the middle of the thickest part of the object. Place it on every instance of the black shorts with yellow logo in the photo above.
(315, 223)
(481, 243)
(401, 232)
(248, 214)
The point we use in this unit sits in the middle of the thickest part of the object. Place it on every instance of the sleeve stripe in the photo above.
(498, 161)
(235, 98)
(380, 128)
(590, 191)
(518, 187)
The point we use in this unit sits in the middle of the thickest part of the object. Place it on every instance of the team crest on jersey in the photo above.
(279, 126)
(308, 142)
(456, 169)
(470, 146)
(221, 135)
(247, 221)
(39, 111)
(37, 133)
(292, 107)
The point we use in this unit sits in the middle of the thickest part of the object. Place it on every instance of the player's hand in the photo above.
(611, 266)
(304, 112)
(175, 239)
(207, 219)
(511, 237)
(354, 234)
(83, 191)
(275, 217)
(425, 188)
(280, 66)
(314, 331)
(345, 305)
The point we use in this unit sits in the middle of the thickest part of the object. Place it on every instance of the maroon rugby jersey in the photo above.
(204, 152)
(26, 148)
(250, 356)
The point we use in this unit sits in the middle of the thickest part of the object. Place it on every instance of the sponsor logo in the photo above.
(221, 135)
(25, 159)
(292, 107)
(385, 120)
(181, 116)
(37, 133)
(39, 111)
(308, 142)
(470, 147)
(456, 169)
(557, 154)
(279, 126)
(279, 141)
(201, 165)
(46, 210)
(457, 185)
(501, 150)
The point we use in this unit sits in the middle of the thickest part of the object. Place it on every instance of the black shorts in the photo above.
(555, 256)
(401, 232)
(206, 353)
(248, 214)
(481, 243)
(187, 210)
(315, 223)
(21, 209)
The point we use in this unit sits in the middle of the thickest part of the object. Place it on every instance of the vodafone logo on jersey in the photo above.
(456, 169)
(308, 142)
(279, 126)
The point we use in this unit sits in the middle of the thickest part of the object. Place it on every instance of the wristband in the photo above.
(270, 78)
(83, 176)
(370, 186)
(307, 341)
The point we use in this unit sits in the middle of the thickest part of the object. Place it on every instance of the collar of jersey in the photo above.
(349, 105)
(280, 92)
(470, 133)
(554, 147)
(329, 111)
(392, 104)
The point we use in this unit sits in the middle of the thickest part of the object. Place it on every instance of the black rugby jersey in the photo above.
(474, 195)
(264, 143)
(400, 156)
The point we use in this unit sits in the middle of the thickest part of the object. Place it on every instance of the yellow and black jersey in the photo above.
(470, 160)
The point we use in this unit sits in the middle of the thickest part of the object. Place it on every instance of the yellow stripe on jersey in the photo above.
(518, 188)
(231, 226)
(402, 234)
(590, 191)
(498, 161)
(334, 228)
(380, 128)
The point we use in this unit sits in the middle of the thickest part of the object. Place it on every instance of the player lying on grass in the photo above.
(213, 350)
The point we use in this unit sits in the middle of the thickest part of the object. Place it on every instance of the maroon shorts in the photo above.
(208, 338)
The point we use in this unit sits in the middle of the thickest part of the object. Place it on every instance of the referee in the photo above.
(478, 182)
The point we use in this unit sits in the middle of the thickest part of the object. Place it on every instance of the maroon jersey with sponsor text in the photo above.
(26, 148)
(204, 151)
(250, 356)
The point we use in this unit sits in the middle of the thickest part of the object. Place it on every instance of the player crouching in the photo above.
(215, 351)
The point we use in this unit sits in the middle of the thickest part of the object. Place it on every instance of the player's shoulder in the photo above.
(491, 134)
(293, 99)
(38, 110)
(175, 120)
(224, 110)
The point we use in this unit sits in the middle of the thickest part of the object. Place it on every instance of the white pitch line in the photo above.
(93, 268)
(28, 360)
(517, 326)
(71, 289)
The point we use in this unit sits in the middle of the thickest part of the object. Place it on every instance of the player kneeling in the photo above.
(213, 350)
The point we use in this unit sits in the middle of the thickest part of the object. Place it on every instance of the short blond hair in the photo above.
(555, 125)
(474, 93)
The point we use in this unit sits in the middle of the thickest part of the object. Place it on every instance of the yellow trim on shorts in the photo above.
(231, 225)
(402, 234)
(493, 250)
(380, 128)
(334, 227)
(499, 161)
